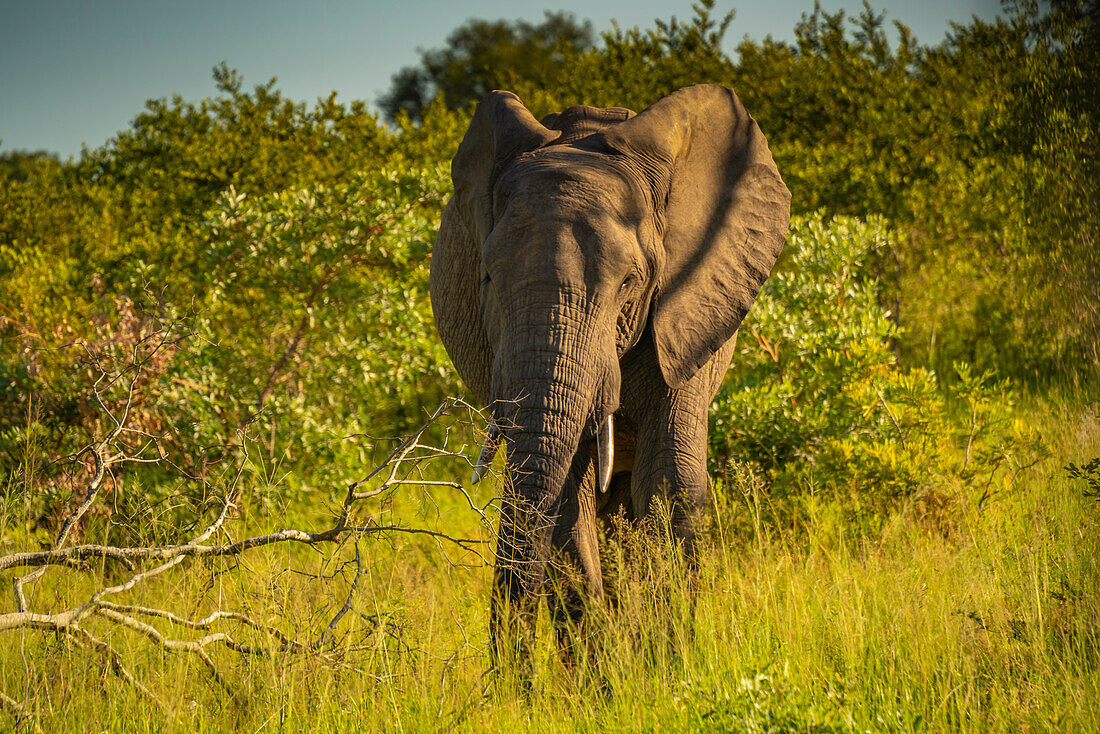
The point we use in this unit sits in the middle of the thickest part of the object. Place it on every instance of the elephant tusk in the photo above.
(605, 451)
(488, 451)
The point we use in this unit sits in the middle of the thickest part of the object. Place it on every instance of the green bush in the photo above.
(310, 322)
(318, 302)
(817, 402)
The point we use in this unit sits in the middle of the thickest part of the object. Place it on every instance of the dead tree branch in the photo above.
(402, 468)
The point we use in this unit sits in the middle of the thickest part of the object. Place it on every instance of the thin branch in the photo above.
(328, 631)
(207, 622)
(396, 471)
(970, 436)
(18, 709)
(113, 658)
(176, 553)
(894, 420)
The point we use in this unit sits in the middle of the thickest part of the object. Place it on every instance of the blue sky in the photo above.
(77, 71)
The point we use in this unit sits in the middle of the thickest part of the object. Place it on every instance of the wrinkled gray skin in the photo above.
(600, 262)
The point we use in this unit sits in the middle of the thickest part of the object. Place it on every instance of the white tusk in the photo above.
(488, 451)
(605, 451)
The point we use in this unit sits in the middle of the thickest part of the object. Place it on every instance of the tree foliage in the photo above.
(481, 56)
(951, 192)
(288, 245)
(820, 405)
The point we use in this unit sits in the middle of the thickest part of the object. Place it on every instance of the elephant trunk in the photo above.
(544, 428)
(551, 398)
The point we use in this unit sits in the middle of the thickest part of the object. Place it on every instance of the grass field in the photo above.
(988, 623)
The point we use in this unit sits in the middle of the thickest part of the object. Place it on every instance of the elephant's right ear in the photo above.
(501, 129)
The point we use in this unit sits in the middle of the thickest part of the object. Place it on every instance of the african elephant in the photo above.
(588, 281)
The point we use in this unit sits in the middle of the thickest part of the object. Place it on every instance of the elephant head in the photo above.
(572, 241)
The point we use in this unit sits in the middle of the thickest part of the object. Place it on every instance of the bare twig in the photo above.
(893, 419)
(18, 709)
(396, 471)
(125, 441)
(970, 436)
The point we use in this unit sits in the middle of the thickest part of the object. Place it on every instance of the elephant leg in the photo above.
(668, 494)
(670, 459)
(669, 465)
(575, 574)
(670, 469)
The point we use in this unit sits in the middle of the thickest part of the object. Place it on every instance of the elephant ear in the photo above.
(725, 216)
(501, 130)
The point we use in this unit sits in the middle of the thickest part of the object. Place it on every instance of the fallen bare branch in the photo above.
(18, 709)
(220, 627)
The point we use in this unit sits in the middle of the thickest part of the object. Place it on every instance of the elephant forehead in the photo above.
(570, 183)
(563, 217)
(552, 236)
(567, 217)
(534, 250)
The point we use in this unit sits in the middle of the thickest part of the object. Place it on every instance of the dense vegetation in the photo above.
(906, 529)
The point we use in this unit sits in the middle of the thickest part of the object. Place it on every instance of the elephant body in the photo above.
(595, 264)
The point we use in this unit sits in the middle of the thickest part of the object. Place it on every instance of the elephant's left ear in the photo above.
(501, 129)
(726, 213)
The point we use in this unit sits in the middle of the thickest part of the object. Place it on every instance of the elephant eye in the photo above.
(628, 283)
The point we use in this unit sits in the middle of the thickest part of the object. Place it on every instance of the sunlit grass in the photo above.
(994, 626)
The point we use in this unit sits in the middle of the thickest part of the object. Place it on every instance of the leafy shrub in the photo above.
(819, 404)
(1089, 474)
(323, 295)
(310, 322)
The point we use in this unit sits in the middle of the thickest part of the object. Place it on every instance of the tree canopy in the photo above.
(483, 55)
(281, 230)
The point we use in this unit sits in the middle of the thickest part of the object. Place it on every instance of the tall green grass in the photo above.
(991, 625)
